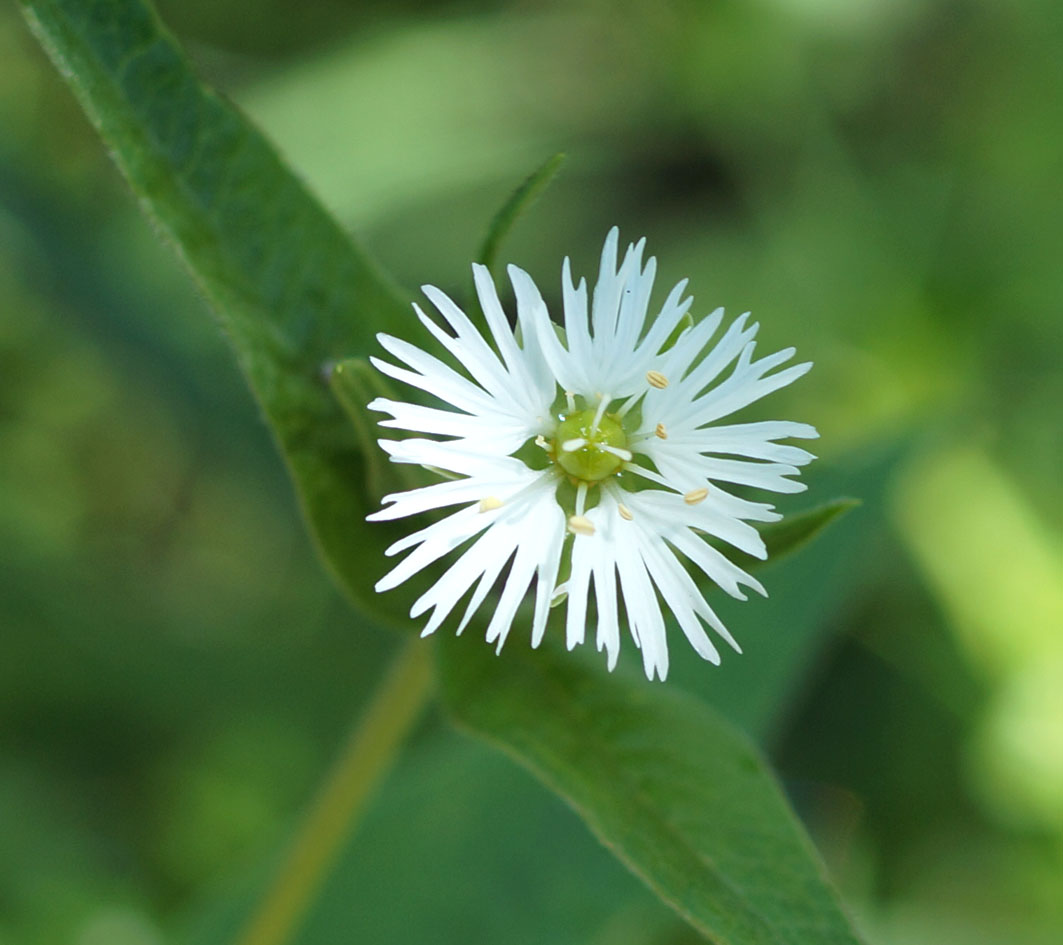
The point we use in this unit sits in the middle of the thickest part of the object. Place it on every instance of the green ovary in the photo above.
(589, 462)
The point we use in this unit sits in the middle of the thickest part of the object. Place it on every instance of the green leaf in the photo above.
(676, 793)
(522, 198)
(792, 533)
(291, 291)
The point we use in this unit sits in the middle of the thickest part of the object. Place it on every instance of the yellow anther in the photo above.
(661, 431)
(625, 512)
(580, 525)
(657, 379)
(489, 503)
(696, 496)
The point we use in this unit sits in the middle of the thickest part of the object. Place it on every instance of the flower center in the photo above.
(590, 445)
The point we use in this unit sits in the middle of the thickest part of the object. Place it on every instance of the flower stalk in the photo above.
(366, 757)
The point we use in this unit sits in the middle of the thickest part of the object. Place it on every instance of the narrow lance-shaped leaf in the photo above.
(793, 532)
(291, 291)
(508, 214)
(502, 222)
(671, 788)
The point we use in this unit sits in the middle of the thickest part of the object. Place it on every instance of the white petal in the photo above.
(643, 611)
(596, 554)
(532, 385)
(716, 566)
(754, 440)
(688, 385)
(578, 587)
(457, 579)
(608, 632)
(667, 320)
(432, 375)
(437, 540)
(439, 422)
(502, 539)
(606, 295)
(577, 325)
(680, 594)
(698, 469)
(439, 495)
(468, 347)
(520, 575)
(464, 457)
(634, 300)
(730, 397)
(535, 324)
(551, 526)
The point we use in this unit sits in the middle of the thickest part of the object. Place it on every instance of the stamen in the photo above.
(580, 525)
(581, 499)
(625, 455)
(540, 441)
(600, 412)
(570, 400)
(625, 512)
(661, 431)
(570, 446)
(648, 474)
(628, 404)
(489, 503)
(696, 496)
(657, 379)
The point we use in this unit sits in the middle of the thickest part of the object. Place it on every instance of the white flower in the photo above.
(603, 438)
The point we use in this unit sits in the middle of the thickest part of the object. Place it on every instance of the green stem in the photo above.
(366, 757)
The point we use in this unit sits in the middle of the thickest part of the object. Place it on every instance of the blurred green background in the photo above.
(879, 181)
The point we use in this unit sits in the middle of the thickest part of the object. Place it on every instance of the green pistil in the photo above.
(589, 462)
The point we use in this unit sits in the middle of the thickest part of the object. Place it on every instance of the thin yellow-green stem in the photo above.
(364, 759)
